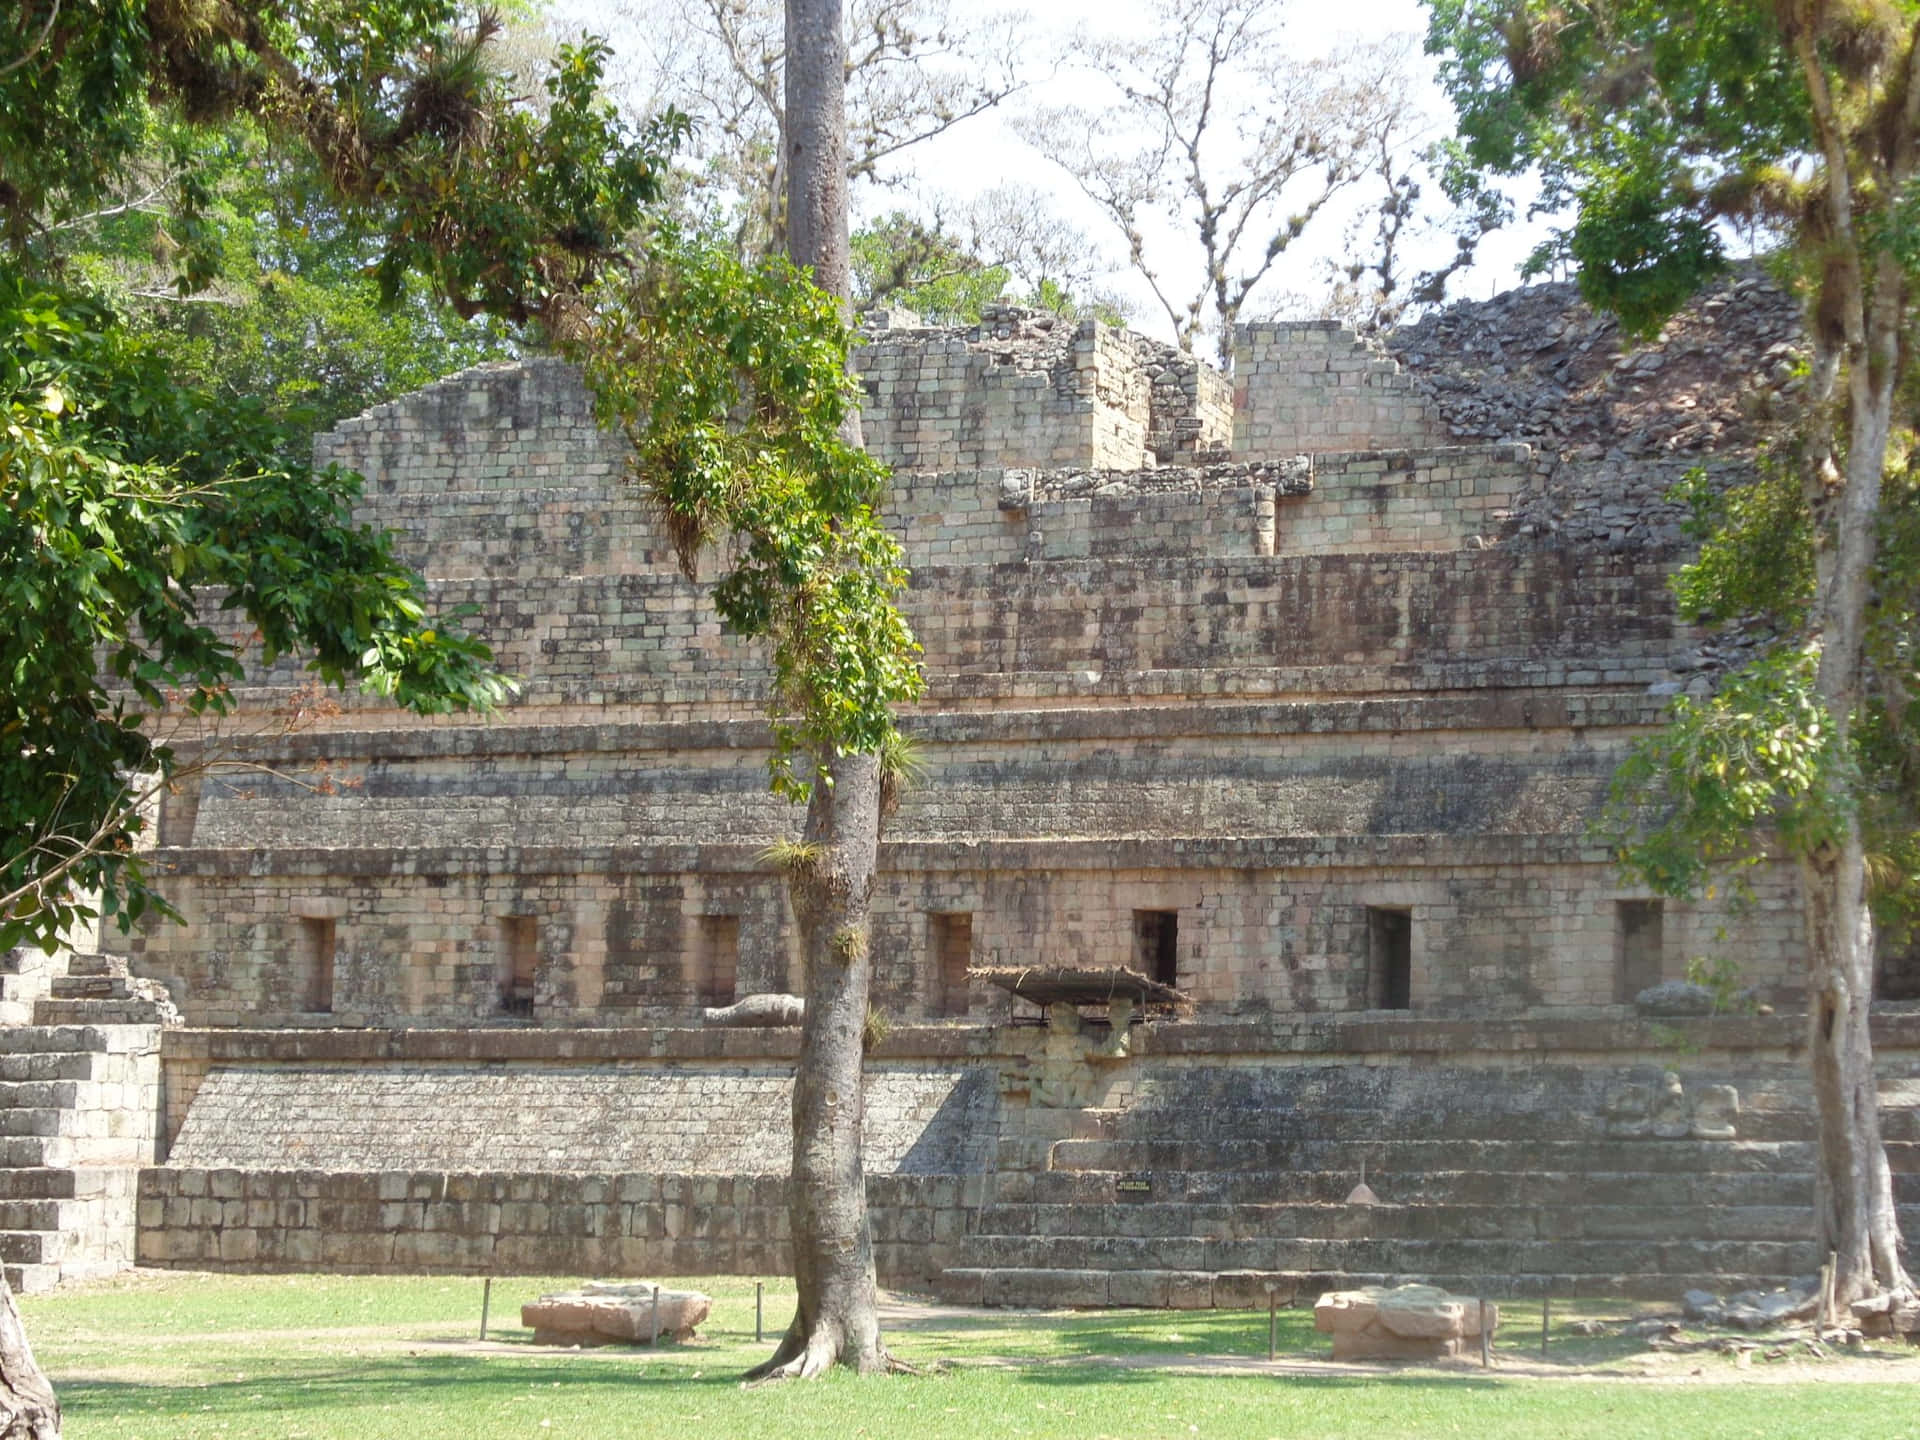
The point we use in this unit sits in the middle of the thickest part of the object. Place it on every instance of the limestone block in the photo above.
(606, 1313)
(768, 1011)
(1671, 1120)
(1406, 1322)
(1714, 1113)
(1674, 999)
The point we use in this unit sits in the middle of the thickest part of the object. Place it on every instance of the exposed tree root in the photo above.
(801, 1357)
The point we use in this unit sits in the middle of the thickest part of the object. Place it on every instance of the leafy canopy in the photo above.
(741, 439)
(157, 538)
(168, 539)
(1661, 121)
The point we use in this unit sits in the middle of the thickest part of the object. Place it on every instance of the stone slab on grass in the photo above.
(1406, 1322)
(605, 1313)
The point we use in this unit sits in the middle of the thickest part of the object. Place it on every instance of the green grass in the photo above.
(163, 1356)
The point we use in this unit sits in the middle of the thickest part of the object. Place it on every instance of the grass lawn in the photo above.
(158, 1356)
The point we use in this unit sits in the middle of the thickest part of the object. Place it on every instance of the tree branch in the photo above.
(38, 44)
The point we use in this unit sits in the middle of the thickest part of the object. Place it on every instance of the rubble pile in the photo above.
(1615, 423)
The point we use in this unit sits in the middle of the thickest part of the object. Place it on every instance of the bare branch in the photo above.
(39, 43)
(1214, 121)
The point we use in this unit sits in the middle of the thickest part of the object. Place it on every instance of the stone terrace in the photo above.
(1298, 689)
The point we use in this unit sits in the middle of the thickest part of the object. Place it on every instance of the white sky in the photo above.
(985, 152)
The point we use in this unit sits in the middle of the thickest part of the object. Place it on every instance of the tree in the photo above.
(130, 498)
(751, 441)
(1661, 125)
(291, 318)
(1005, 247)
(837, 1316)
(916, 69)
(130, 495)
(1250, 174)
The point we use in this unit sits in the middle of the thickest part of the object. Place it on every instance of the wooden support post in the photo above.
(655, 1340)
(1272, 1305)
(1486, 1340)
(759, 1295)
(1546, 1319)
(486, 1301)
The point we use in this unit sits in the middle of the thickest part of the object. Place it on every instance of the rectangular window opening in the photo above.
(1639, 943)
(518, 962)
(1156, 944)
(717, 960)
(953, 956)
(316, 965)
(1899, 977)
(1389, 958)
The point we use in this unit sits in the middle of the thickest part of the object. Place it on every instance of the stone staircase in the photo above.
(98, 990)
(1238, 1192)
(79, 1114)
(26, 977)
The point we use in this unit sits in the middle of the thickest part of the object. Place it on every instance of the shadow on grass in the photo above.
(1172, 1335)
(1069, 1376)
(379, 1382)
(436, 1381)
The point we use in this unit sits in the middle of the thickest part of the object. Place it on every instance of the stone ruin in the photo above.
(1295, 691)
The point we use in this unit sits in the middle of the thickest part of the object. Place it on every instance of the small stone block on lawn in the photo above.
(606, 1313)
(1407, 1322)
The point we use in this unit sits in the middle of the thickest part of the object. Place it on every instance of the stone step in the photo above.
(1456, 1187)
(41, 1120)
(32, 1279)
(35, 1151)
(95, 1012)
(1413, 1156)
(92, 965)
(56, 1039)
(37, 1093)
(1382, 1222)
(1197, 1290)
(38, 1214)
(42, 1183)
(32, 1247)
(43, 1066)
(90, 987)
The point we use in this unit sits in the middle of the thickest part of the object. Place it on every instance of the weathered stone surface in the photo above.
(1674, 998)
(1373, 664)
(1716, 1112)
(1702, 1305)
(763, 1011)
(1407, 1322)
(600, 1313)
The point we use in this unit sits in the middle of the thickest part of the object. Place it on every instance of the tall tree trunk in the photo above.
(28, 1409)
(837, 1318)
(1857, 1221)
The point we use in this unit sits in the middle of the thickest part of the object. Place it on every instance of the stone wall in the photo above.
(662, 1118)
(1311, 385)
(1270, 829)
(1190, 1165)
(525, 1222)
(1016, 390)
(1278, 695)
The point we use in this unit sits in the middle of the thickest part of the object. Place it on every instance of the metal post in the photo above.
(1546, 1318)
(759, 1294)
(655, 1340)
(486, 1301)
